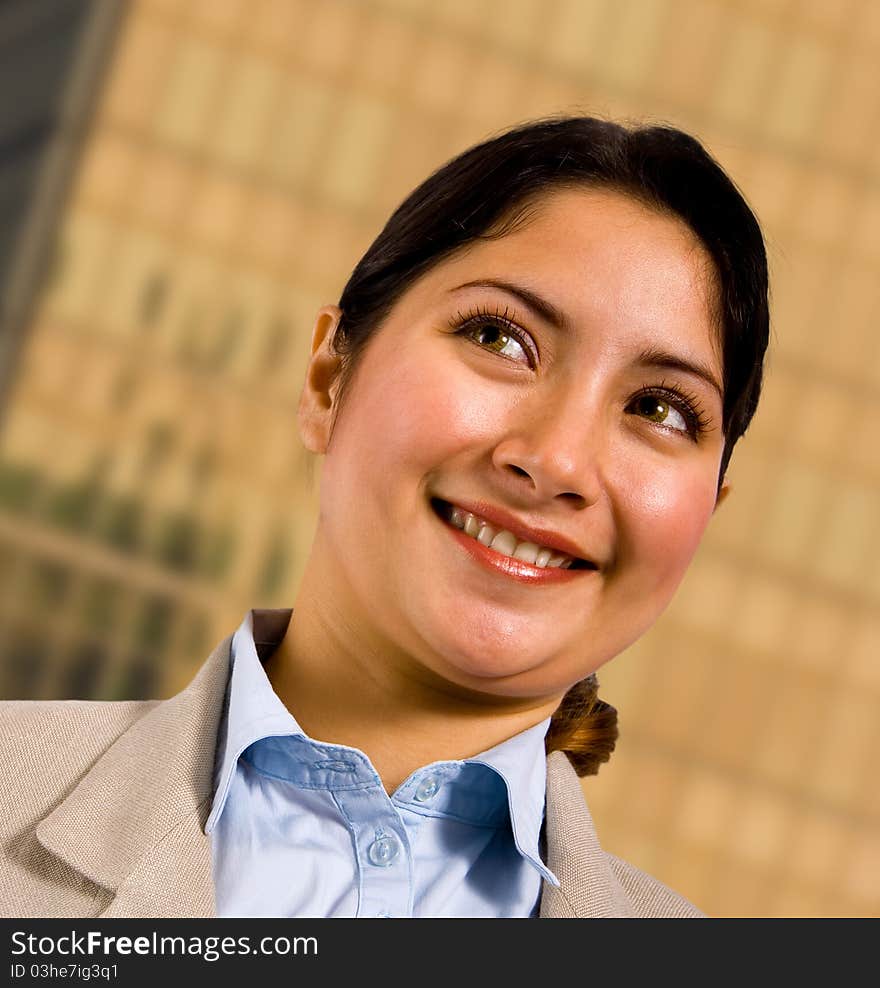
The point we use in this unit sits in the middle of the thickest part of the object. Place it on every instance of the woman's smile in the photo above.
(500, 551)
(525, 554)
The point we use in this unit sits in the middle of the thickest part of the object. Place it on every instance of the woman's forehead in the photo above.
(597, 258)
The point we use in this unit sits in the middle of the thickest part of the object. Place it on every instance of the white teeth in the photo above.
(527, 552)
(506, 543)
(486, 534)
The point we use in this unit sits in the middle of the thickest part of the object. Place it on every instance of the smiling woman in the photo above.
(526, 401)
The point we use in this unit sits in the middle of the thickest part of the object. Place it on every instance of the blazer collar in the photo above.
(587, 885)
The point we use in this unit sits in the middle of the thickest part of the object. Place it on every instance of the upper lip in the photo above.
(499, 518)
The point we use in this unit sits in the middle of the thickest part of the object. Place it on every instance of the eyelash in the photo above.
(501, 319)
(686, 403)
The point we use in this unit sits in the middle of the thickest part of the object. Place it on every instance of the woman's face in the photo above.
(560, 384)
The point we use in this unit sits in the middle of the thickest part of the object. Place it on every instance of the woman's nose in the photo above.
(550, 458)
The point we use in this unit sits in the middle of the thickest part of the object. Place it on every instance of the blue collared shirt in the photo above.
(305, 828)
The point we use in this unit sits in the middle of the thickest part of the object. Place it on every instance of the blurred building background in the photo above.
(185, 183)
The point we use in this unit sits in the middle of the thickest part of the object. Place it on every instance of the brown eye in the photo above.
(498, 340)
(491, 336)
(658, 409)
(652, 408)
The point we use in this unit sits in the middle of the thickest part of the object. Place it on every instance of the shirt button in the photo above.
(426, 789)
(383, 851)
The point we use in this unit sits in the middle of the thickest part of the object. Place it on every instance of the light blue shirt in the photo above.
(305, 828)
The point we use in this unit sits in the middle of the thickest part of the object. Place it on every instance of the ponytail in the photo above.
(584, 727)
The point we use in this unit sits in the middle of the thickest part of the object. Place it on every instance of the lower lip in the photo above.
(516, 569)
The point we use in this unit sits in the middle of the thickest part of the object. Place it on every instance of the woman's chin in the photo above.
(493, 659)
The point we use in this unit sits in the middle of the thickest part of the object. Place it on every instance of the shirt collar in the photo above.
(521, 761)
(253, 712)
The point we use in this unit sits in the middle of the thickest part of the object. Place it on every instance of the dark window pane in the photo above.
(153, 625)
(73, 506)
(121, 523)
(138, 679)
(81, 677)
(218, 553)
(23, 663)
(50, 585)
(196, 639)
(20, 486)
(177, 543)
(101, 603)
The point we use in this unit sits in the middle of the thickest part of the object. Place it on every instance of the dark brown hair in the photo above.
(484, 191)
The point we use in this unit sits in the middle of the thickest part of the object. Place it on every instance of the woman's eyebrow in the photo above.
(657, 357)
(545, 309)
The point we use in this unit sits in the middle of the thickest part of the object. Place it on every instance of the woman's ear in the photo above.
(317, 403)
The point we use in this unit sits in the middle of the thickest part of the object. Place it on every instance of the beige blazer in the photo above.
(103, 807)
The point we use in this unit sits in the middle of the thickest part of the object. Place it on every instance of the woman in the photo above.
(525, 401)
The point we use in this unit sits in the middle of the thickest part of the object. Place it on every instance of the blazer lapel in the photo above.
(588, 887)
(174, 878)
(135, 823)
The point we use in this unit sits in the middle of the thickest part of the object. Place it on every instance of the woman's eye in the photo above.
(499, 340)
(660, 410)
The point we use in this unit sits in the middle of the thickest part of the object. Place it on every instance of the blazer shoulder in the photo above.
(650, 897)
(91, 722)
(46, 746)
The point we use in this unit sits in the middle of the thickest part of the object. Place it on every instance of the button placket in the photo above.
(383, 852)
(386, 872)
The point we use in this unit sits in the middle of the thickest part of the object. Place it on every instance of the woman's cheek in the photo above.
(671, 515)
(442, 415)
